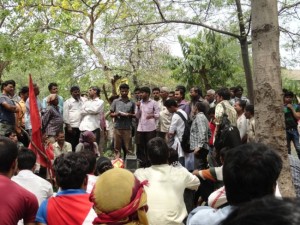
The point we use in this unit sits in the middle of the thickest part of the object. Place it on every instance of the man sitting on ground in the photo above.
(250, 171)
(71, 205)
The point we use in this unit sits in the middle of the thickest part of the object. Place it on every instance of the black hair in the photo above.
(181, 88)
(145, 89)
(289, 94)
(8, 154)
(103, 164)
(198, 90)
(250, 171)
(124, 86)
(137, 89)
(26, 159)
(173, 156)
(172, 92)
(211, 111)
(170, 102)
(155, 89)
(200, 107)
(9, 132)
(59, 132)
(224, 92)
(24, 90)
(158, 151)
(250, 108)
(237, 88)
(91, 158)
(51, 85)
(75, 88)
(97, 89)
(70, 170)
(242, 103)
(267, 210)
(5, 83)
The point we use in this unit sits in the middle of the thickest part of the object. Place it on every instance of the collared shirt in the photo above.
(38, 186)
(52, 121)
(60, 104)
(21, 114)
(242, 125)
(185, 106)
(27, 114)
(90, 114)
(6, 116)
(165, 192)
(58, 150)
(251, 130)
(127, 106)
(147, 108)
(164, 119)
(71, 111)
(232, 115)
(200, 132)
(243, 98)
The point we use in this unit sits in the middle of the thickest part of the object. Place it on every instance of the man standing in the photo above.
(20, 116)
(164, 115)
(90, 113)
(291, 115)
(16, 202)
(147, 112)
(196, 96)
(53, 89)
(122, 110)
(156, 94)
(210, 97)
(179, 96)
(41, 188)
(7, 107)
(72, 116)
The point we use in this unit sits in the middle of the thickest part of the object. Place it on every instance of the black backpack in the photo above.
(228, 135)
(185, 142)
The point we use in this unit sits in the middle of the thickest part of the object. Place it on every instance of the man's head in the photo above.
(288, 97)
(124, 90)
(171, 105)
(156, 93)
(8, 156)
(24, 93)
(250, 171)
(12, 135)
(222, 94)
(94, 92)
(8, 87)
(70, 170)
(200, 107)
(171, 95)
(52, 99)
(179, 95)
(60, 137)
(103, 164)
(26, 159)
(164, 93)
(137, 93)
(239, 106)
(238, 91)
(210, 95)
(91, 158)
(75, 92)
(195, 93)
(53, 88)
(36, 89)
(158, 151)
(145, 93)
(249, 111)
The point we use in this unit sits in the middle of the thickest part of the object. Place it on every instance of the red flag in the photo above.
(36, 144)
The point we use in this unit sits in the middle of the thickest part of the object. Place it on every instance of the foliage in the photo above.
(209, 60)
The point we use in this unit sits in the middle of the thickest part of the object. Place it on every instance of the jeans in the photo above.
(293, 135)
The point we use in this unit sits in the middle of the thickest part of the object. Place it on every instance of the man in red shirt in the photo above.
(16, 202)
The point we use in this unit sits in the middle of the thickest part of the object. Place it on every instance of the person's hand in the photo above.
(290, 106)
(196, 150)
(196, 172)
(138, 104)
(150, 116)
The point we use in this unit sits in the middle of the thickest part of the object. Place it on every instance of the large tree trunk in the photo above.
(268, 100)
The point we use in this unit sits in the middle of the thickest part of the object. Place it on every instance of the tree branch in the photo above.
(286, 7)
(63, 32)
(159, 10)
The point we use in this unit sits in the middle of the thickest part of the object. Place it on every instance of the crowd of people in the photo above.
(198, 162)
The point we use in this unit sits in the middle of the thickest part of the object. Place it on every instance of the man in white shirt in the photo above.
(41, 188)
(61, 146)
(72, 116)
(166, 186)
(90, 113)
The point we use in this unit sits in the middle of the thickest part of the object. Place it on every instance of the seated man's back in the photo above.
(166, 186)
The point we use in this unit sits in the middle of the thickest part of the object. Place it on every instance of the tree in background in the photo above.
(209, 60)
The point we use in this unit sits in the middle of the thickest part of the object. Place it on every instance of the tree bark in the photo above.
(270, 127)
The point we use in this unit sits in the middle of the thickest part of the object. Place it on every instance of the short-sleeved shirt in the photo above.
(16, 203)
(5, 115)
(125, 106)
(232, 116)
(290, 120)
